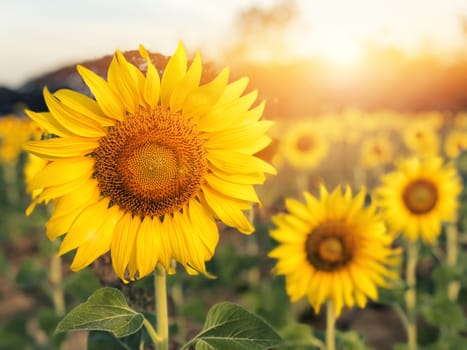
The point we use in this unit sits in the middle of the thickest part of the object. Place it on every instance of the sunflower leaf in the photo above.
(105, 310)
(229, 326)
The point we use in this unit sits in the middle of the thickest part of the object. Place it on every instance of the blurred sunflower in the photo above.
(420, 138)
(418, 196)
(14, 132)
(460, 120)
(145, 168)
(376, 151)
(333, 248)
(304, 146)
(455, 143)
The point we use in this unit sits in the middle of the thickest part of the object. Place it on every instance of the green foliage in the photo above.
(105, 310)
(441, 311)
(229, 326)
(13, 335)
(30, 274)
(299, 336)
(81, 284)
(98, 340)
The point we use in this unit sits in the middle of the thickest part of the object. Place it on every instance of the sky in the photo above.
(38, 36)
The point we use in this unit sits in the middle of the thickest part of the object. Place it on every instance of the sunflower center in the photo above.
(420, 196)
(330, 246)
(151, 164)
(305, 143)
(377, 151)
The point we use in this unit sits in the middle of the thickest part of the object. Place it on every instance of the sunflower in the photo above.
(333, 248)
(146, 167)
(376, 151)
(418, 196)
(455, 143)
(421, 138)
(304, 146)
(14, 131)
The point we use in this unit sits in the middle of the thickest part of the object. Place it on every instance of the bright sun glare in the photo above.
(341, 54)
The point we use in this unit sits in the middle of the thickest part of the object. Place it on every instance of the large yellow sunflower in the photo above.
(418, 196)
(333, 248)
(145, 168)
(304, 146)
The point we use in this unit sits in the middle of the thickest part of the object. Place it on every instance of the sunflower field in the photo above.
(178, 202)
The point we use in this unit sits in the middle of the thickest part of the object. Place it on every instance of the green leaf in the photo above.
(105, 310)
(105, 341)
(298, 336)
(229, 326)
(443, 311)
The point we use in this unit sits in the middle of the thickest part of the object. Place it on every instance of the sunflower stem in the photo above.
(451, 258)
(58, 296)
(10, 177)
(162, 341)
(410, 294)
(152, 332)
(330, 326)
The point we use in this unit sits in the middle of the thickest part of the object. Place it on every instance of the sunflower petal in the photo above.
(62, 147)
(173, 73)
(105, 97)
(152, 84)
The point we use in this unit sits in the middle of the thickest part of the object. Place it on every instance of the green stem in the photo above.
(10, 177)
(161, 308)
(152, 332)
(58, 296)
(330, 326)
(451, 258)
(302, 179)
(410, 294)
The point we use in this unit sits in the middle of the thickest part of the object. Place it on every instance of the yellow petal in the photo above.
(173, 73)
(83, 105)
(188, 83)
(105, 97)
(239, 138)
(123, 243)
(67, 208)
(148, 246)
(227, 211)
(77, 123)
(85, 226)
(47, 122)
(152, 84)
(53, 192)
(201, 100)
(60, 172)
(234, 162)
(224, 116)
(99, 243)
(250, 178)
(126, 81)
(62, 147)
(245, 192)
(233, 91)
(204, 227)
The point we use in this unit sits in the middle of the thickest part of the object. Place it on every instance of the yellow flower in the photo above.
(376, 151)
(418, 196)
(14, 132)
(421, 138)
(333, 248)
(456, 142)
(304, 146)
(145, 168)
